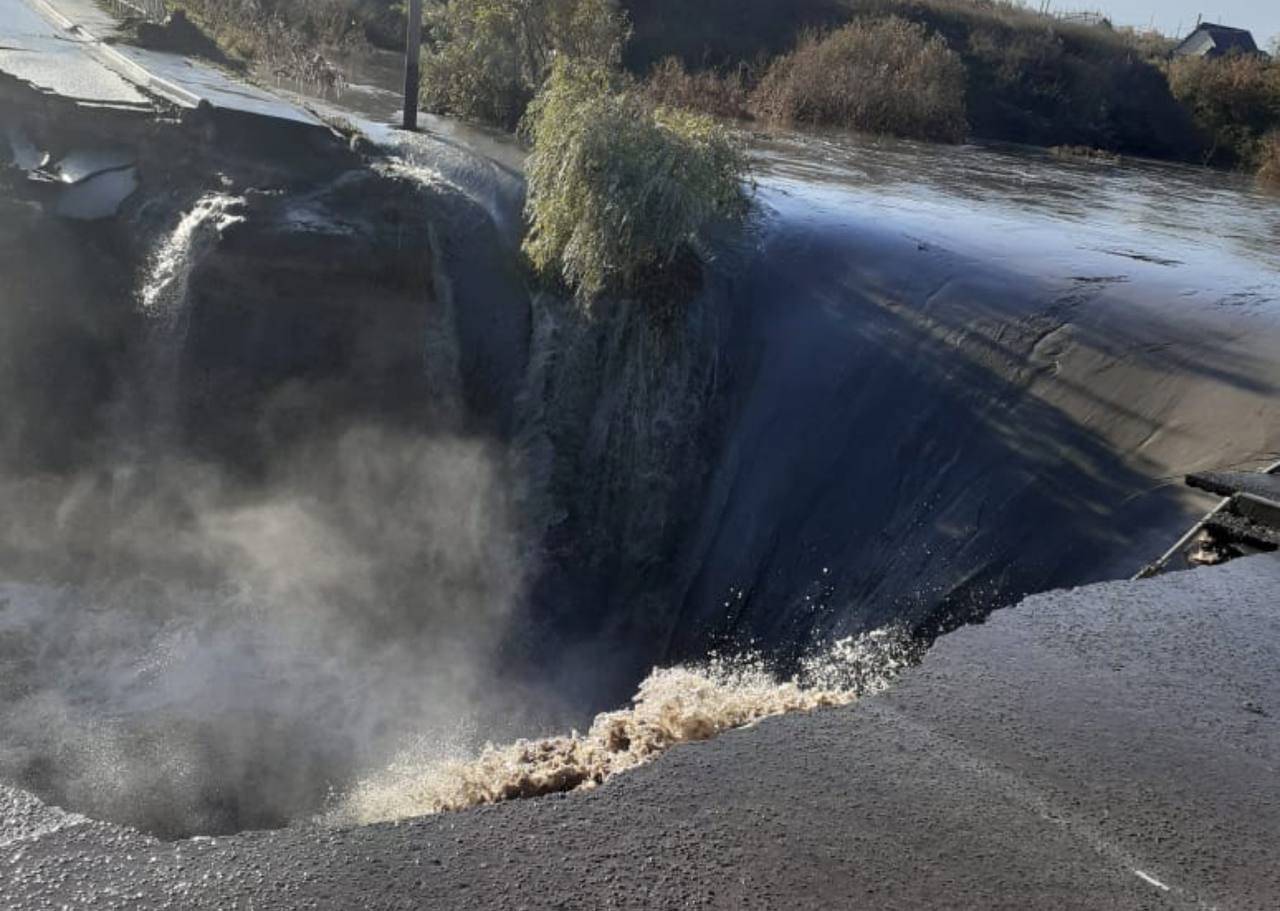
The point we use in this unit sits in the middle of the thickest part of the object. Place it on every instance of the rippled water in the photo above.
(1012, 202)
(1004, 202)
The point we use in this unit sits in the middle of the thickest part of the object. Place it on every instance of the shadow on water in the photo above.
(912, 408)
(889, 459)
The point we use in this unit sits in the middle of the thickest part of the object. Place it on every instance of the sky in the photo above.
(1262, 17)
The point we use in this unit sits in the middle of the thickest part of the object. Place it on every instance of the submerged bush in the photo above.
(621, 189)
(880, 76)
(485, 59)
(1234, 100)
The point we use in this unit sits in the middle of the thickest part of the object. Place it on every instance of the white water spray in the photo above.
(165, 302)
(683, 704)
(166, 282)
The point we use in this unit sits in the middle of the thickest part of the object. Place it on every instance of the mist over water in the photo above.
(221, 659)
(192, 651)
(344, 629)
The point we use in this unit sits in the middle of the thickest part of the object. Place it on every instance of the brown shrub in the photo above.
(1269, 160)
(720, 94)
(1234, 100)
(288, 38)
(1031, 78)
(267, 30)
(879, 76)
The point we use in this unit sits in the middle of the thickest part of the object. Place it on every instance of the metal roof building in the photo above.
(1210, 40)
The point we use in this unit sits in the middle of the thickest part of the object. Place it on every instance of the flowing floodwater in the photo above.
(674, 705)
(1010, 204)
(1015, 200)
(923, 382)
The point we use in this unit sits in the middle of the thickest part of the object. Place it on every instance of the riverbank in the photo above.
(1027, 78)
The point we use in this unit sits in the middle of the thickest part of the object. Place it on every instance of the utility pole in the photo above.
(412, 55)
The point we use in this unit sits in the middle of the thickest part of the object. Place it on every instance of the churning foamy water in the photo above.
(675, 705)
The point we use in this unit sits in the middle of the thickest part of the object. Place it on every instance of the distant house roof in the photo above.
(1210, 40)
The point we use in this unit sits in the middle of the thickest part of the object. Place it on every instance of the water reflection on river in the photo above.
(1166, 223)
(1010, 200)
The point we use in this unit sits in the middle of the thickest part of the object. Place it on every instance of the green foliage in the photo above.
(619, 188)
(1235, 100)
(879, 75)
(486, 59)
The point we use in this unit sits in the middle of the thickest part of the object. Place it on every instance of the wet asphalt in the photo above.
(1110, 747)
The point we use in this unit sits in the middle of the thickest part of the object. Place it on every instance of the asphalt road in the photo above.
(34, 50)
(1108, 747)
(77, 64)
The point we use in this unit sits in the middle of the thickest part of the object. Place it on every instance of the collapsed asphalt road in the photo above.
(1112, 746)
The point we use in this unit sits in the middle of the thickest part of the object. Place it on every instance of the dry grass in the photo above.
(284, 36)
(885, 76)
(720, 94)
(1269, 160)
(1150, 46)
(1234, 100)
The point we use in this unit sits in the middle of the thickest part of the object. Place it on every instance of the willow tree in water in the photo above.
(619, 188)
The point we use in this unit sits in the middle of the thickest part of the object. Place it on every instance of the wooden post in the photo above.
(412, 54)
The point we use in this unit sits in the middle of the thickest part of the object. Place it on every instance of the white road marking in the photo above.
(1150, 879)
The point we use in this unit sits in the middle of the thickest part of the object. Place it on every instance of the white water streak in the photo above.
(172, 260)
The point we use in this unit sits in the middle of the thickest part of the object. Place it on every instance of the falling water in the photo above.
(165, 303)
(164, 288)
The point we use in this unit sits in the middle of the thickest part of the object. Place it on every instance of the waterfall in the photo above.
(164, 289)
(164, 302)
